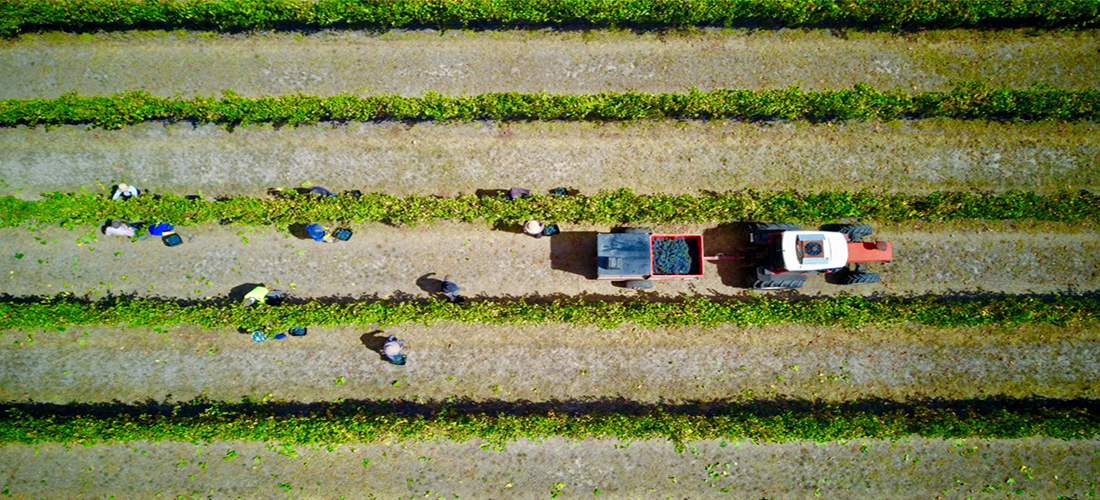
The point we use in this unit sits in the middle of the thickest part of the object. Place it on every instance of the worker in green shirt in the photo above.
(261, 295)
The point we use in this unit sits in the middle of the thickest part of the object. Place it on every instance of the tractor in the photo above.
(786, 255)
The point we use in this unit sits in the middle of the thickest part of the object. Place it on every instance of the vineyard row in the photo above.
(385, 421)
(27, 15)
(616, 207)
(966, 100)
(60, 312)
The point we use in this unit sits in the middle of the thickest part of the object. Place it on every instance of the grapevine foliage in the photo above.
(60, 312)
(375, 421)
(18, 16)
(967, 100)
(616, 207)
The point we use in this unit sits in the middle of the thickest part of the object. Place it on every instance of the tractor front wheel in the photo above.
(779, 283)
(638, 284)
(855, 232)
(860, 278)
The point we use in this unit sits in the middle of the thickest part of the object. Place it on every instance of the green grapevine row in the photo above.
(967, 100)
(366, 422)
(614, 207)
(60, 312)
(25, 15)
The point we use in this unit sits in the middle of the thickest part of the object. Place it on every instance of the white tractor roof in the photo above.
(814, 250)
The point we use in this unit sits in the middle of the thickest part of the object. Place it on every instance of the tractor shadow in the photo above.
(574, 252)
(731, 240)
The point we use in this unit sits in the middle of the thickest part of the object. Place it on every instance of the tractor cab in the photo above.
(812, 251)
(787, 254)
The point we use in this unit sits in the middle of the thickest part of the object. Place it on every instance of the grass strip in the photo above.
(386, 421)
(967, 100)
(60, 312)
(616, 207)
(24, 15)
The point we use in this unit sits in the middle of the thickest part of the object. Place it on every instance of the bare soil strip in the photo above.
(910, 468)
(386, 262)
(553, 363)
(455, 62)
(647, 157)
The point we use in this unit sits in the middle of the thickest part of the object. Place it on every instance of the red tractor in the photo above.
(786, 255)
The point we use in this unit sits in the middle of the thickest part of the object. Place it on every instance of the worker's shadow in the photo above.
(574, 252)
(374, 341)
(237, 293)
(509, 227)
(491, 193)
(429, 284)
(298, 231)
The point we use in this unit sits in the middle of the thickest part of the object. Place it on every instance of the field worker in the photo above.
(319, 233)
(392, 350)
(125, 191)
(450, 289)
(261, 295)
(118, 228)
(161, 229)
(321, 191)
(518, 193)
(533, 228)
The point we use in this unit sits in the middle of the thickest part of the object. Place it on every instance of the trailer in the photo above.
(638, 258)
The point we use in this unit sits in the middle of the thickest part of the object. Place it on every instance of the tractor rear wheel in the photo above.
(638, 284)
(860, 278)
(637, 230)
(855, 232)
(773, 226)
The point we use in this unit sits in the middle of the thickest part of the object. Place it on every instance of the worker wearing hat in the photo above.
(392, 350)
(534, 228)
(125, 191)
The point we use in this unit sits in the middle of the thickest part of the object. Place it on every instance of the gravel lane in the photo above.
(454, 62)
(907, 468)
(385, 261)
(662, 156)
(553, 363)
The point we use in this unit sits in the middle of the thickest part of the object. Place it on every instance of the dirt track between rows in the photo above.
(663, 156)
(909, 468)
(553, 362)
(454, 62)
(387, 262)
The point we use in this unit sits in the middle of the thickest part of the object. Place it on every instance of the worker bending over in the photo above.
(261, 295)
